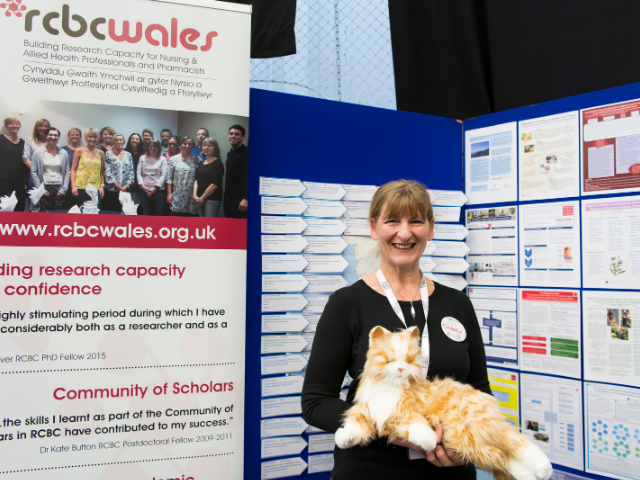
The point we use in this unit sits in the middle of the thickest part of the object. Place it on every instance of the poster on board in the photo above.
(491, 164)
(611, 148)
(549, 157)
(123, 335)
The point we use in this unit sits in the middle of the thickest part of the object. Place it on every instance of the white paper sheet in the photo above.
(552, 417)
(549, 157)
(550, 331)
(611, 243)
(550, 244)
(611, 341)
(496, 309)
(490, 164)
(493, 240)
(612, 429)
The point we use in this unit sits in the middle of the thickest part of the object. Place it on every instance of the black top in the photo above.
(11, 164)
(207, 174)
(340, 345)
(236, 185)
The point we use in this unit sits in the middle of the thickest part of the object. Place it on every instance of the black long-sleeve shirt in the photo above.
(340, 345)
(236, 185)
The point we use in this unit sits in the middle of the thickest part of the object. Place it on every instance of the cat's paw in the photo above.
(519, 471)
(423, 436)
(348, 436)
(536, 461)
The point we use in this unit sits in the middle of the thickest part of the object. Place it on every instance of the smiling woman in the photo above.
(402, 220)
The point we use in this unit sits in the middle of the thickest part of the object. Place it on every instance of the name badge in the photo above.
(453, 329)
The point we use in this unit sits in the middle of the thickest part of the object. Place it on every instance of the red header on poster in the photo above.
(120, 231)
(611, 110)
(549, 296)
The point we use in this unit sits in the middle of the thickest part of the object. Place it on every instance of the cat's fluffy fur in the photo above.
(394, 401)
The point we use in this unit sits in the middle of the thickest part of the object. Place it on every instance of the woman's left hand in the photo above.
(60, 194)
(442, 456)
(101, 192)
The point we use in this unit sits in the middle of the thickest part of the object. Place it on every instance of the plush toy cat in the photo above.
(394, 401)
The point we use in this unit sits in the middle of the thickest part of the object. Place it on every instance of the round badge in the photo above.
(453, 329)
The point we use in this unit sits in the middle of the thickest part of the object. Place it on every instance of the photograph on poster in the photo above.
(611, 148)
(490, 164)
(550, 244)
(549, 157)
(122, 137)
(610, 339)
(611, 242)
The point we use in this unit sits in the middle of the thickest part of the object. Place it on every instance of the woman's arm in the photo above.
(101, 174)
(35, 176)
(74, 169)
(207, 193)
(331, 356)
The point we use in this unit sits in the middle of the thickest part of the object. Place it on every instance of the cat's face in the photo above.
(394, 357)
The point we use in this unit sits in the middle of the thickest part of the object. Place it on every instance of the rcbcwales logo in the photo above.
(74, 25)
(13, 8)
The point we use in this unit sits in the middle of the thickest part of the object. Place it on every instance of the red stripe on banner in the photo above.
(533, 344)
(21, 229)
(538, 351)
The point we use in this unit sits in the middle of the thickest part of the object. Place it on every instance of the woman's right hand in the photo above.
(74, 191)
(169, 199)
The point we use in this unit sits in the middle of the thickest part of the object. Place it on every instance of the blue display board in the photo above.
(324, 141)
(587, 101)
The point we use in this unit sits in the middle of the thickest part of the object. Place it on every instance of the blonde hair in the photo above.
(11, 119)
(400, 197)
(38, 124)
(91, 131)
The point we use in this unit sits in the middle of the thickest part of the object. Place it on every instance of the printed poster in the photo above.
(611, 148)
(491, 164)
(123, 336)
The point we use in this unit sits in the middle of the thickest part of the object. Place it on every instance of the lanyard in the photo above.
(424, 297)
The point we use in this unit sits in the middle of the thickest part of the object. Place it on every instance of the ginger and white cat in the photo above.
(394, 401)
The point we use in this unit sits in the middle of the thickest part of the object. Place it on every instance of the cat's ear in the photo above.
(414, 332)
(377, 333)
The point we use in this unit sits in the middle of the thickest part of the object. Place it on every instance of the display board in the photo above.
(122, 336)
(577, 164)
(309, 231)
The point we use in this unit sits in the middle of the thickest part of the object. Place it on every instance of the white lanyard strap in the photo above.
(424, 297)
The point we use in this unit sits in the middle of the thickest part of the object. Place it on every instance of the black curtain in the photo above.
(464, 58)
(272, 23)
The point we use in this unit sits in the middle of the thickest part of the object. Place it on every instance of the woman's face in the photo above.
(401, 239)
(42, 129)
(152, 150)
(74, 137)
(13, 126)
(208, 149)
(173, 146)
(118, 142)
(106, 137)
(187, 146)
(135, 141)
(92, 140)
(52, 138)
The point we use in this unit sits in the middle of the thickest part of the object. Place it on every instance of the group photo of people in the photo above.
(172, 163)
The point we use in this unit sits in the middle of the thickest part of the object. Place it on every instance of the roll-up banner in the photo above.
(122, 327)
